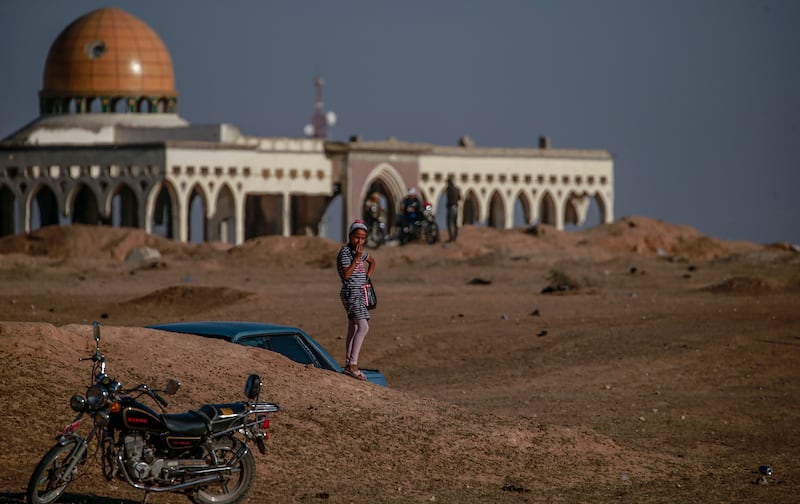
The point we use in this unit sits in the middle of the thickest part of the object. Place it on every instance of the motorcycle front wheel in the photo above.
(51, 477)
(233, 485)
(375, 237)
(431, 232)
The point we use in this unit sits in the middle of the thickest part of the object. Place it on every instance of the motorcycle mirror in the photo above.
(96, 325)
(172, 386)
(252, 387)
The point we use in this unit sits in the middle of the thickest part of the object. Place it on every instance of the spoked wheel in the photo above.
(376, 236)
(234, 484)
(431, 232)
(51, 476)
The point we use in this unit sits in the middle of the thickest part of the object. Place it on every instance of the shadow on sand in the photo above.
(67, 498)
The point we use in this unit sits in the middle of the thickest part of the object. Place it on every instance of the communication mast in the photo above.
(321, 120)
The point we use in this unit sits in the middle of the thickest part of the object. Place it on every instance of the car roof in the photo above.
(230, 330)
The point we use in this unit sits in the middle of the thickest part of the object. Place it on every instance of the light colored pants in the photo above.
(356, 332)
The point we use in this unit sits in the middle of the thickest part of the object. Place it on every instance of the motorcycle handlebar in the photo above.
(160, 399)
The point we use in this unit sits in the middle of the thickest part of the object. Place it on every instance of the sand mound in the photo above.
(283, 251)
(191, 297)
(97, 242)
(416, 436)
(630, 235)
(642, 235)
(739, 285)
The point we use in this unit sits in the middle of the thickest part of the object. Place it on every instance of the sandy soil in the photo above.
(668, 373)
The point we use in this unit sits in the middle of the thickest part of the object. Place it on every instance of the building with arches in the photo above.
(109, 148)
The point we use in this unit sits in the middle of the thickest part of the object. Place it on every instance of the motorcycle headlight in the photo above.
(114, 387)
(77, 403)
(97, 396)
(101, 418)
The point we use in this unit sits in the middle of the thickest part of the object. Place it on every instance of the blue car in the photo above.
(291, 342)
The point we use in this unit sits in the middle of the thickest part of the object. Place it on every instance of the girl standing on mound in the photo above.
(353, 272)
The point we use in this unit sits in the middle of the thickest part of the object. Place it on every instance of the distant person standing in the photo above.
(453, 197)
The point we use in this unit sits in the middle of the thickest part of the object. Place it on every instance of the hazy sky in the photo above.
(697, 100)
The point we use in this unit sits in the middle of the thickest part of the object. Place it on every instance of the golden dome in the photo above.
(108, 52)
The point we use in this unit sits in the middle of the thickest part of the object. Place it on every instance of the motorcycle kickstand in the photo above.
(146, 495)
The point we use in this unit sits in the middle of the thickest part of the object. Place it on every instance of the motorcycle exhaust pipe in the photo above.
(212, 478)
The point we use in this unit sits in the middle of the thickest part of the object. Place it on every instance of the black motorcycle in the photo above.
(375, 222)
(203, 453)
(418, 225)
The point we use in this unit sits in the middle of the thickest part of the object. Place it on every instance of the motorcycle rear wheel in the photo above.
(50, 479)
(232, 487)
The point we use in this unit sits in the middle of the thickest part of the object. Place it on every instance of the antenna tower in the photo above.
(321, 120)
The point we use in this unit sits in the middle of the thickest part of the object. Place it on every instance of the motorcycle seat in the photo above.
(187, 424)
(222, 416)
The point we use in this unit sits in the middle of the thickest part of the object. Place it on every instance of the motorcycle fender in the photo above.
(261, 447)
(63, 439)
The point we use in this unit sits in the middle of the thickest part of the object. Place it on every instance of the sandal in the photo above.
(357, 374)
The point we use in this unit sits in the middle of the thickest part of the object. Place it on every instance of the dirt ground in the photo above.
(662, 366)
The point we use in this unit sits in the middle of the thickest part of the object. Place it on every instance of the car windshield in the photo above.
(288, 345)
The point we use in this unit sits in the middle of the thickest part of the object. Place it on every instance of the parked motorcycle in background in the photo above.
(419, 225)
(203, 453)
(375, 221)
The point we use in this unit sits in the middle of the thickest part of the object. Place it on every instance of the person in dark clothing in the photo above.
(410, 208)
(453, 195)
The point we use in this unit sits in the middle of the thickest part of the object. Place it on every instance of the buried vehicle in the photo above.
(291, 342)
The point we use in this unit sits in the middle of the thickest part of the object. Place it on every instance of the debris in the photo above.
(142, 254)
(535, 313)
(541, 333)
(515, 488)
(479, 281)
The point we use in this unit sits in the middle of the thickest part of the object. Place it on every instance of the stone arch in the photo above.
(497, 211)
(83, 204)
(548, 210)
(390, 184)
(42, 207)
(144, 105)
(471, 211)
(440, 209)
(9, 211)
(122, 206)
(522, 214)
(604, 208)
(162, 206)
(222, 225)
(94, 105)
(575, 206)
(580, 207)
(196, 216)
